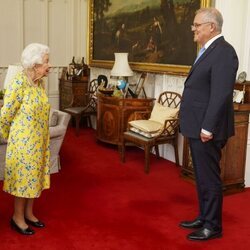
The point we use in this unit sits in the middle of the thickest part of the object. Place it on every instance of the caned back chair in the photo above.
(167, 132)
(85, 111)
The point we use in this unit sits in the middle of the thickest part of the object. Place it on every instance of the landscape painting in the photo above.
(156, 34)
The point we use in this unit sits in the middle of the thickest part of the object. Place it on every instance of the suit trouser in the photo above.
(206, 162)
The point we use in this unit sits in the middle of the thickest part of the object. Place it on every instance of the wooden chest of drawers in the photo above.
(72, 93)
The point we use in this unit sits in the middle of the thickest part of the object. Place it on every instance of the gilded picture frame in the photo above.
(156, 34)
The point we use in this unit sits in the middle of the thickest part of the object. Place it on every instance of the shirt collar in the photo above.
(209, 42)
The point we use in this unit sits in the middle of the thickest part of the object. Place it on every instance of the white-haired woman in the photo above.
(24, 122)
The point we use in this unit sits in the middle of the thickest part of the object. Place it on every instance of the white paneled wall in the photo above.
(35, 21)
(11, 26)
(63, 25)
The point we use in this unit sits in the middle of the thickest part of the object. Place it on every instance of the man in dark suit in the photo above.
(207, 118)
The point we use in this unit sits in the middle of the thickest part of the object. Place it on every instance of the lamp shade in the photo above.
(13, 69)
(121, 66)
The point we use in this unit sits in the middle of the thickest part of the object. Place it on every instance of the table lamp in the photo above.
(13, 69)
(122, 70)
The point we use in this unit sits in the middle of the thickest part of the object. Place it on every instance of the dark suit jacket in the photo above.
(207, 100)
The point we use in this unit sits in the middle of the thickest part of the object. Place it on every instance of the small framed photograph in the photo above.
(242, 77)
(140, 84)
(238, 96)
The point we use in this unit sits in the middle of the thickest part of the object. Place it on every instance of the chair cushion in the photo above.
(152, 127)
(161, 113)
(53, 119)
(143, 133)
(146, 125)
(146, 128)
(74, 110)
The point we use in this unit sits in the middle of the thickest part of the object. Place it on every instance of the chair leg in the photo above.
(176, 153)
(89, 121)
(157, 151)
(147, 156)
(77, 119)
(71, 121)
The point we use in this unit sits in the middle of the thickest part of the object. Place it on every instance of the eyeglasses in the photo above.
(197, 25)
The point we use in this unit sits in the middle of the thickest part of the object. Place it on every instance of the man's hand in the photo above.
(205, 138)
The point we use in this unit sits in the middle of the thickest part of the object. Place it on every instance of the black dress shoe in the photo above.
(204, 234)
(26, 231)
(197, 223)
(35, 223)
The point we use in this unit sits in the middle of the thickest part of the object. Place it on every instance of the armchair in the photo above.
(57, 132)
(160, 128)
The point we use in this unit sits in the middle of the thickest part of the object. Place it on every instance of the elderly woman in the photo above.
(24, 122)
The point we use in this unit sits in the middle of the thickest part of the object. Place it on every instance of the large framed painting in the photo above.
(155, 33)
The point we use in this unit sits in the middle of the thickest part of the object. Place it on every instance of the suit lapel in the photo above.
(205, 54)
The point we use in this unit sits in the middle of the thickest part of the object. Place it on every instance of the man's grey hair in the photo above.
(33, 54)
(212, 15)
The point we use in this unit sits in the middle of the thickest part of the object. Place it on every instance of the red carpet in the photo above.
(98, 203)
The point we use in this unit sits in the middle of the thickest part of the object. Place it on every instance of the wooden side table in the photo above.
(113, 115)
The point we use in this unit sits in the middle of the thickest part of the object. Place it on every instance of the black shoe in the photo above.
(26, 231)
(197, 223)
(35, 223)
(204, 234)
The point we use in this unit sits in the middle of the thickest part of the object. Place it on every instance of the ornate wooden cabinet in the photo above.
(72, 92)
(114, 113)
(233, 159)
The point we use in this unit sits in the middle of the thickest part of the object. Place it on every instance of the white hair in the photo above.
(33, 54)
(212, 15)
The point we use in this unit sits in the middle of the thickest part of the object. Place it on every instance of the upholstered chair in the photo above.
(160, 126)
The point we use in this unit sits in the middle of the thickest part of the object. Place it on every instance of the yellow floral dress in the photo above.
(24, 122)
